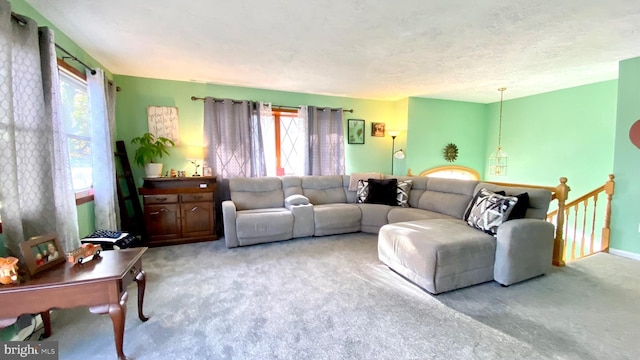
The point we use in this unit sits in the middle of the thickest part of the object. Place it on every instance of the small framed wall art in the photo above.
(355, 131)
(377, 129)
(42, 253)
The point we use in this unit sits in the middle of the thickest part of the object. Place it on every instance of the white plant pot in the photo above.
(153, 170)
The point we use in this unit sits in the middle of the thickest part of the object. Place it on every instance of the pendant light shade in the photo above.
(498, 159)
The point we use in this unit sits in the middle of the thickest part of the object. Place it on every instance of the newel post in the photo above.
(609, 188)
(562, 192)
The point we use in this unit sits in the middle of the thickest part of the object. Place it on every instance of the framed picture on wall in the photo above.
(377, 129)
(355, 131)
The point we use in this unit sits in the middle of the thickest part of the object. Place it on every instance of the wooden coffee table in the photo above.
(100, 284)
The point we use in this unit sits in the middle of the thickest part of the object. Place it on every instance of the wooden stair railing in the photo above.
(576, 225)
(559, 193)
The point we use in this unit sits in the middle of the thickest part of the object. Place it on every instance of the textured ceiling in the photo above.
(456, 49)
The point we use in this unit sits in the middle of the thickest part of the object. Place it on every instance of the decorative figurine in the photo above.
(8, 270)
(80, 254)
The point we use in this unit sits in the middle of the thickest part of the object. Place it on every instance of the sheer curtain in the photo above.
(36, 195)
(268, 129)
(102, 119)
(233, 138)
(326, 141)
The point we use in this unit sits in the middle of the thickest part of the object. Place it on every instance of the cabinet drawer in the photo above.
(196, 197)
(130, 276)
(160, 199)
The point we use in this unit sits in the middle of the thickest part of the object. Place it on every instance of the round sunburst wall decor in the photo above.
(450, 152)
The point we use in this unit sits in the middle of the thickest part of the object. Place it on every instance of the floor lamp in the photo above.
(395, 154)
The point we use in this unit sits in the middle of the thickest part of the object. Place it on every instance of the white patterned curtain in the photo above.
(326, 141)
(36, 195)
(102, 118)
(233, 139)
(268, 129)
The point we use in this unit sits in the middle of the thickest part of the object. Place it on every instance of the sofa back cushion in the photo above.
(418, 187)
(291, 185)
(447, 196)
(539, 199)
(256, 193)
(325, 189)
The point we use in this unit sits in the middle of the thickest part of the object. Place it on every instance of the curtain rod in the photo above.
(93, 72)
(23, 21)
(193, 98)
(19, 18)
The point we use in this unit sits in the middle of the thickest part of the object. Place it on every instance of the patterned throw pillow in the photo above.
(490, 210)
(362, 192)
(403, 192)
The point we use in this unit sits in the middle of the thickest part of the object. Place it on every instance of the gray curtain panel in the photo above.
(233, 139)
(326, 141)
(36, 195)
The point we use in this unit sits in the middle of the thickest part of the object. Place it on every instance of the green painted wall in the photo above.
(625, 217)
(86, 219)
(567, 133)
(435, 123)
(137, 93)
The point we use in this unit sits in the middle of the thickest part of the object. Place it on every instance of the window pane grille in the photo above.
(292, 145)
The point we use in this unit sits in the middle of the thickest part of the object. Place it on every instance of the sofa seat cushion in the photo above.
(263, 225)
(398, 214)
(438, 255)
(336, 219)
(373, 217)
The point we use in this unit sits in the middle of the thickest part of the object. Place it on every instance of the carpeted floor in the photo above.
(331, 298)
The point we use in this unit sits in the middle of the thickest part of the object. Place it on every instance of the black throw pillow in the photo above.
(382, 192)
(520, 209)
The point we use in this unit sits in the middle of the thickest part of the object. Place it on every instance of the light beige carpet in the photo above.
(331, 298)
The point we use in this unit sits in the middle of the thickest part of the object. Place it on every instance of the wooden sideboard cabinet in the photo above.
(179, 210)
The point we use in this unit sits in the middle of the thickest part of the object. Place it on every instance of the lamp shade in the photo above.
(399, 154)
(394, 133)
(195, 152)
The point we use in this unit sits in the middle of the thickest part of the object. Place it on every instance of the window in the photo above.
(285, 143)
(452, 172)
(75, 113)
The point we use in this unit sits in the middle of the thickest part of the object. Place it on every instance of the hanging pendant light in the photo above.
(498, 160)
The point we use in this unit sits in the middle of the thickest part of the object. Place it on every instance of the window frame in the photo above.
(83, 196)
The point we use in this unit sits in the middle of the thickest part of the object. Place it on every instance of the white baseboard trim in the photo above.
(623, 253)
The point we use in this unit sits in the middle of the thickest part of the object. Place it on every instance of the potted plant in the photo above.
(151, 148)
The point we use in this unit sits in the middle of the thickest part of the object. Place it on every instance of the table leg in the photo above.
(141, 280)
(118, 313)
(46, 320)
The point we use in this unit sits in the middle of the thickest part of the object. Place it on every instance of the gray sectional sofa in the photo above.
(426, 242)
